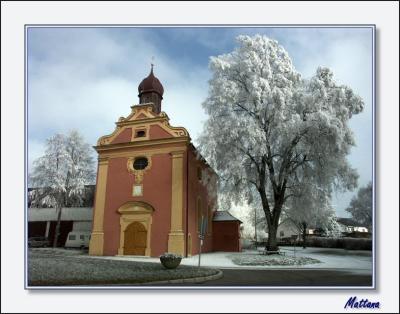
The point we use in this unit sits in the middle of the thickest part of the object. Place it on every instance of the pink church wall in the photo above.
(156, 192)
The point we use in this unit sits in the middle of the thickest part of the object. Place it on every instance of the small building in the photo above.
(43, 221)
(287, 230)
(226, 236)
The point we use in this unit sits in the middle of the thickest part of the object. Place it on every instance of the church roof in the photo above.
(224, 215)
(151, 84)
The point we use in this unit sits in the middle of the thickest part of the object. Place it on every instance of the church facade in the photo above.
(153, 187)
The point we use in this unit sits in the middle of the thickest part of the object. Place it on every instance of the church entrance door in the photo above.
(135, 239)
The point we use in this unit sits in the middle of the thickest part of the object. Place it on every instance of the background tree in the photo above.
(59, 177)
(270, 131)
(361, 206)
(311, 208)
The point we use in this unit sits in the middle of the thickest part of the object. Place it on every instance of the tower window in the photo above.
(140, 133)
(140, 163)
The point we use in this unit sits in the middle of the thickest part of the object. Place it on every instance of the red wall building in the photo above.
(227, 237)
(153, 187)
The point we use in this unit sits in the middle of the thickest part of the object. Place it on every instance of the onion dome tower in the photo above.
(151, 91)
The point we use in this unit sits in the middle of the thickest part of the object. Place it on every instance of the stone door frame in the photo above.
(135, 212)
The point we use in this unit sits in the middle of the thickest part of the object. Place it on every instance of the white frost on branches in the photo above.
(60, 175)
(360, 206)
(271, 132)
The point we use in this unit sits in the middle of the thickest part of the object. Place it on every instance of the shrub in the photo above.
(340, 243)
(357, 244)
(247, 244)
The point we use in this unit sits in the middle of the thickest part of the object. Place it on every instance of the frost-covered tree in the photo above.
(270, 131)
(60, 175)
(311, 207)
(361, 206)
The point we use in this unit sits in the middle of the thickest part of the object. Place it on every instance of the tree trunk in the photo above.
(58, 225)
(272, 244)
(304, 225)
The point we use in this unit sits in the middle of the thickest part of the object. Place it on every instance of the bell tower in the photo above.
(151, 91)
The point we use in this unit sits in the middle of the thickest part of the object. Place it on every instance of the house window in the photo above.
(82, 237)
(140, 163)
(140, 133)
(281, 233)
(72, 237)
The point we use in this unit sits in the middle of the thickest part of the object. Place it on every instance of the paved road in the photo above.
(285, 277)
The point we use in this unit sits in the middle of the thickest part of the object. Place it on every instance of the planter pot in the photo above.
(170, 263)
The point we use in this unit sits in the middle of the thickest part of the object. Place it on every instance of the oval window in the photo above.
(140, 163)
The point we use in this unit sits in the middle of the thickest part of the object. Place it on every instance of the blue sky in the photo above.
(86, 78)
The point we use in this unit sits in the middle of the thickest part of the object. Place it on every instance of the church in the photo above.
(154, 189)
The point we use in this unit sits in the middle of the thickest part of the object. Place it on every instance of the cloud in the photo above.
(86, 78)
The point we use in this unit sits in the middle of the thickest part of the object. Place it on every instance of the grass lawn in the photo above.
(58, 267)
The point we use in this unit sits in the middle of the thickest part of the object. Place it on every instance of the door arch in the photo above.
(135, 239)
(135, 224)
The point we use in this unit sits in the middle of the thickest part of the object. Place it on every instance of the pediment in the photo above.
(141, 116)
(136, 207)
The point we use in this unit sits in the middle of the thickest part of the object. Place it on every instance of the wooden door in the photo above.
(135, 239)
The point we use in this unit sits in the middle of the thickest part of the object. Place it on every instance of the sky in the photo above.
(86, 78)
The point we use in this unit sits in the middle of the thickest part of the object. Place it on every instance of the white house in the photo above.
(348, 225)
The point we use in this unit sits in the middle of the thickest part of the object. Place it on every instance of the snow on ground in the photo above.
(271, 260)
(58, 267)
(329, 258)
(333, 258)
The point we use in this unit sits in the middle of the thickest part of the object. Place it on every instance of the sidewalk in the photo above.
(330, 259)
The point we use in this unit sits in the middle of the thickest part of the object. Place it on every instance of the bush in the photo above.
(247, 244)
(357, 244)
(340, 243)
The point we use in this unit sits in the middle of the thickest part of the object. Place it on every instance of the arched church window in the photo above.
(199, 173)
(140, 163)
(199, 215)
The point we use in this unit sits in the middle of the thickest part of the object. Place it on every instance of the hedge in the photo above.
(340, 243)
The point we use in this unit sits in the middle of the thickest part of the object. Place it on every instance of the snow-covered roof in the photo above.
(86, 200)
(67, 214)
(224, 216)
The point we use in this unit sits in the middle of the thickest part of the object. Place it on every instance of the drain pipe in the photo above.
(187, 201)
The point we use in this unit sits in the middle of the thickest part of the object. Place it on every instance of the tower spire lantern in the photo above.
(151, 91)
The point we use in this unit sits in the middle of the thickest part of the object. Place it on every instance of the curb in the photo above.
(218, 275)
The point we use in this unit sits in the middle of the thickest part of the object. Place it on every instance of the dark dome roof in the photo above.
(151, 84)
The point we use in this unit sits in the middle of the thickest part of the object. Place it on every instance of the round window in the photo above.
(140, 163)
